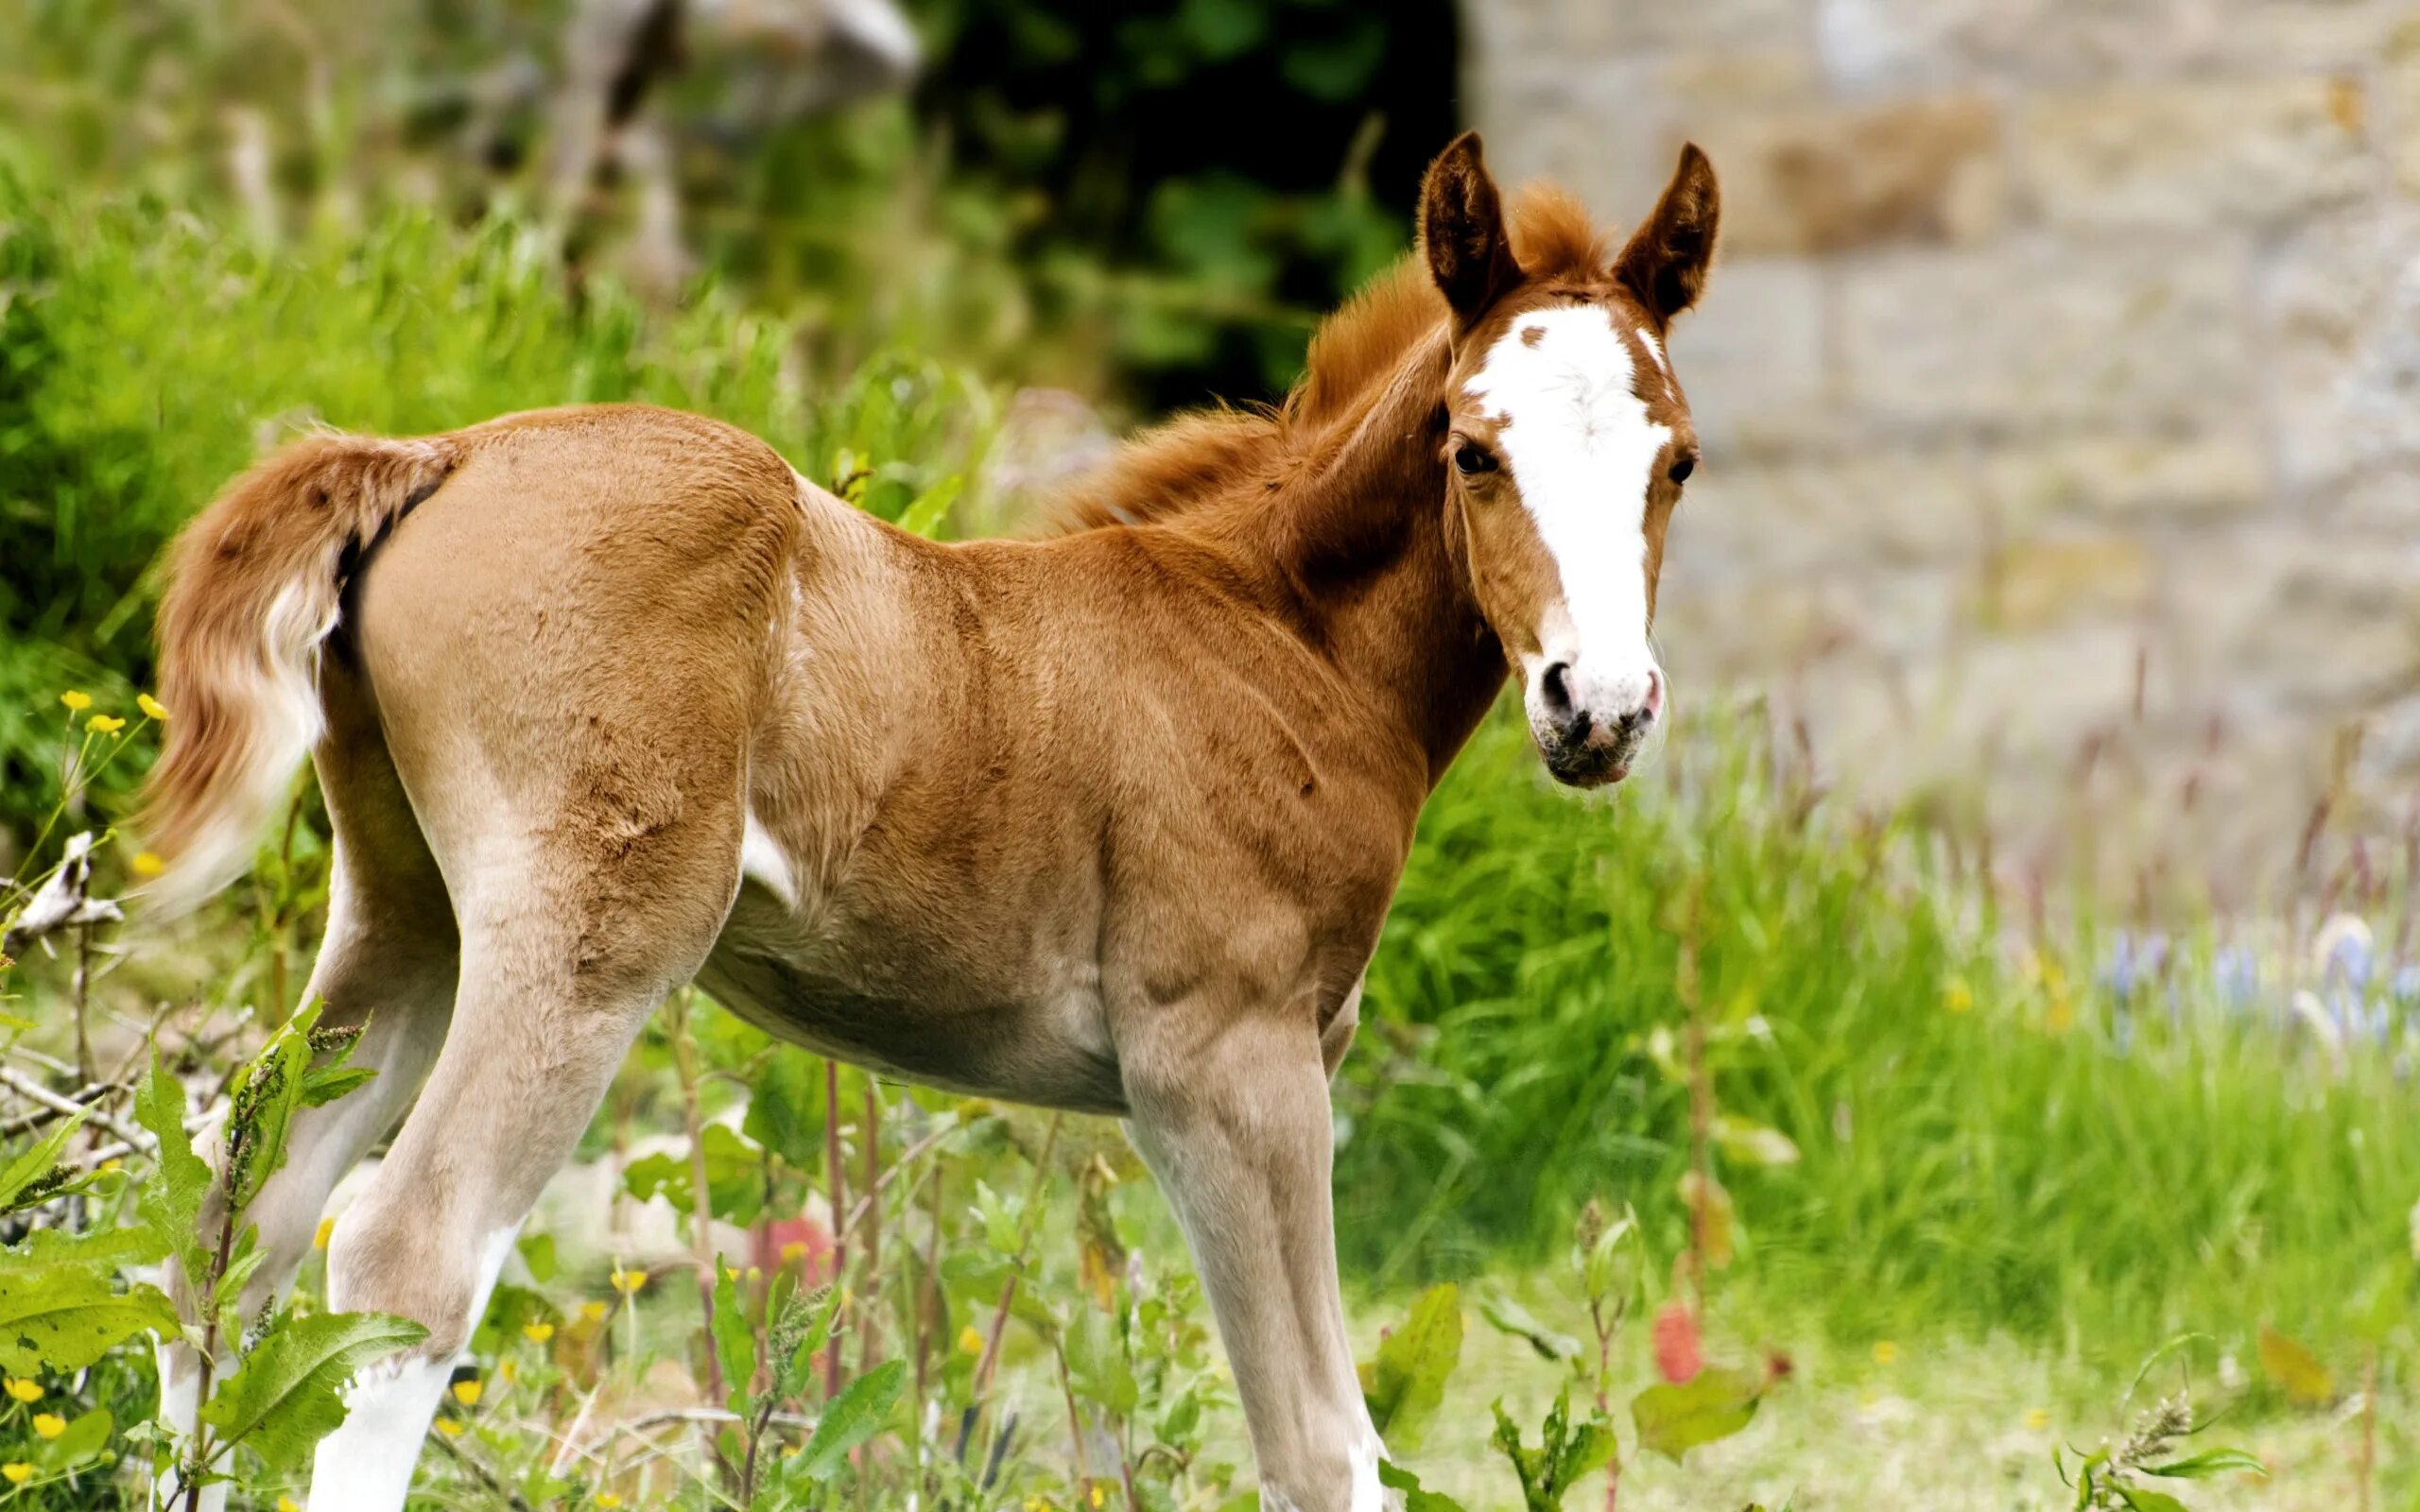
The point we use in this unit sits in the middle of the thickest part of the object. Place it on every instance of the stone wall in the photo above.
(2060, 386)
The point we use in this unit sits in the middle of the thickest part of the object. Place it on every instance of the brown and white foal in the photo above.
(607, 700)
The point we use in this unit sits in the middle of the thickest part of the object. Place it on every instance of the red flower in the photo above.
(1677, 1358)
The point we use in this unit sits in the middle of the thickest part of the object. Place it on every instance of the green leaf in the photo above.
(538, 1253)
(786, 1109)
(1715, 1403)
(1509, 1317)
(2295, 1369)
(286, 1395)
(1406, 1385)
(1097, 1363)
(925, 516)
(2211, 1462)
(735, 1176)
(322, 1086)
(1415, 1497)
(2143, 1500)
(37, 1161)
(849, 1419)
(170, 1205)
(68, 1315)
(1591, 1446)
(735, 1341)
(86, 1436)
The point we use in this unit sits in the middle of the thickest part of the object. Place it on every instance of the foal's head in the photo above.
(1567, 442)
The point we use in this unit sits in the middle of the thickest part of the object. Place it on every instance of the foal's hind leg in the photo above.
(556, 979)
(387, 960)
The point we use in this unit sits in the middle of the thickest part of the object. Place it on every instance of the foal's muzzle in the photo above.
(1590, 732)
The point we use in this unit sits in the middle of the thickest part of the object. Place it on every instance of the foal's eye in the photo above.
(1470, 460)
(1681, 466)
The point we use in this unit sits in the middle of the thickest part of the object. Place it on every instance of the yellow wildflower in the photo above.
(607, 1499)
(1886, 1353)
(793, 1252)
(320, 1236)
(450, 1427)
(288, 1504)
(969, 1342)
(593, 1311)
(508, 1370)
(112, 1164)
(24, 1390)
(754, 1275)
(537, 1333)
(2037, 1420)
(49, 1424)
(1957, 997)
(628, 1281)
(18, 1471)
(75, 702)
(152, 707)
(467, 1392)
(1098, 1497)
(104, 724)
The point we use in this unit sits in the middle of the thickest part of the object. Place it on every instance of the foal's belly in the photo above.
(1047, 1044)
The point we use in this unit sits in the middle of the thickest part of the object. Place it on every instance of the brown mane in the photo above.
(1210, 453)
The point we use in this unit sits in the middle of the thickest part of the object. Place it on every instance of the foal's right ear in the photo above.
(1462, 230)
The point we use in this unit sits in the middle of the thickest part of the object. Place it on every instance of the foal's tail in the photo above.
(254, 586)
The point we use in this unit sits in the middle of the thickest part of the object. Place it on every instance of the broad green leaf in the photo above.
(538, 1253)
(1715, 1403)
(2295, 1369)
(735, 1176)
(286, 1395)
(1097, 1363)
(1405, 1383)
(68, 1315)
(322, 1086)
(171, 1206)
(86, 1436)
(2210, 1461)
(735, 1341)
(2143, 1500)
(785, 1109)
(37, 1161)
(1509, 1317)
(1415, 1497)
(849, 1419)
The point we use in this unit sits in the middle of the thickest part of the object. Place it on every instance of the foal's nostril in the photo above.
(1554, 689)
(1654, 704)
(1556, 685)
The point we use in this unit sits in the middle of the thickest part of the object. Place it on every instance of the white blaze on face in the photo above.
(1579, 448)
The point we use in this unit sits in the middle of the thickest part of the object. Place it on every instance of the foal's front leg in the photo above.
(1231, 1115)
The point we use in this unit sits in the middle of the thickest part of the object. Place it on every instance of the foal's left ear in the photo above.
(1666, 261)
(1462, 230)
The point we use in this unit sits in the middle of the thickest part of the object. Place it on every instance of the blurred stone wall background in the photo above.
(2060, 389)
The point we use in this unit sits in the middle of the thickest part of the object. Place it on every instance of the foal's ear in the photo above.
(1462, 230)
(1666, 261)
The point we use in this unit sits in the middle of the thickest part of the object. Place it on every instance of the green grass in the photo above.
(1982, 1147)
(146, 355)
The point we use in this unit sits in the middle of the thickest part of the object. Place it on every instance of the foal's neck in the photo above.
(1372, 568)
